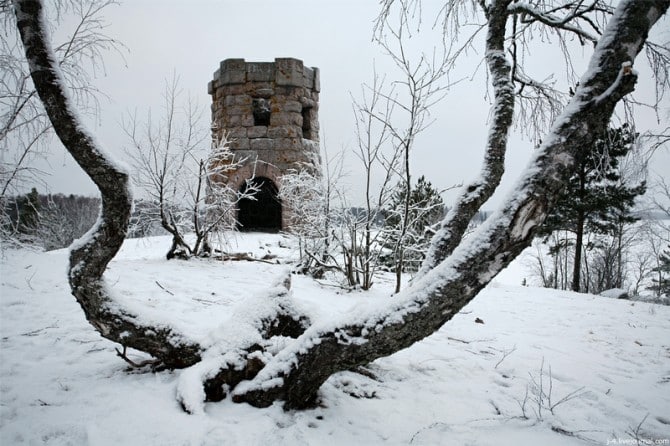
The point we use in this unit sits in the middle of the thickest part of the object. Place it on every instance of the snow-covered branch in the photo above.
(473, 195)
(91, 254)
(25, 129)
(529, 13)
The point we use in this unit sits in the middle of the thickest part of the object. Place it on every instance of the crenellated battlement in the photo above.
(283, 71)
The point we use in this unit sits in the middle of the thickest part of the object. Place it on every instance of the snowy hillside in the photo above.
(518, 366)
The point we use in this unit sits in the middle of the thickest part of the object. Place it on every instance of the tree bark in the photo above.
(296, 373)
(579, 244)
(580, 222)
(475, 194)
(90, 256)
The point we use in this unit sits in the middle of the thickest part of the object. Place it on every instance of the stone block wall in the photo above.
(269, 110)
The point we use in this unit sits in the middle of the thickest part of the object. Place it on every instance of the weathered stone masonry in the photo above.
(270, 112)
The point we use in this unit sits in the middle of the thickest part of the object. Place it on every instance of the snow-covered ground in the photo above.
(603, 365)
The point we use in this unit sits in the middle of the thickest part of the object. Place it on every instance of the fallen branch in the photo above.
(323, 265)
(154, 363)
(164, 289)
(237, 256)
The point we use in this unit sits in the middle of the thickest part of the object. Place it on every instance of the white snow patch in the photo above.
(61, 383)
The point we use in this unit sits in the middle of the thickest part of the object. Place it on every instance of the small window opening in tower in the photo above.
(261, 110)
(263, 212)
(307, 122)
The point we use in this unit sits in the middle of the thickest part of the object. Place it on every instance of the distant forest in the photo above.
(51, 221)
(54, 221)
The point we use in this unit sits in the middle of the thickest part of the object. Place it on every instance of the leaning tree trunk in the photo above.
(475, 194)
(296, 374)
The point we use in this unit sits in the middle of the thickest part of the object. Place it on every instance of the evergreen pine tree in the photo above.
(29, 212)
(596, 199)
(426, 209)
(661, 281)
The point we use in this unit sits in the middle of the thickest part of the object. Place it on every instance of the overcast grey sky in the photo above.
(192, 37)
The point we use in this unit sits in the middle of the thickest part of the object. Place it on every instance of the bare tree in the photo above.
(373, 115)
(25, 130)
(662, 204)
(184, 177)
(303, 192)
(658, 235)
(311, 195)
(354, 230)
(423, 83)
(389, 118)
(65, 218)
(295, 373)
(160, 153)
(105, 239)
(332, 234)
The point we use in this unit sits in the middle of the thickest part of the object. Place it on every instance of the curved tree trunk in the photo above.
(475, 194)
(90, 255)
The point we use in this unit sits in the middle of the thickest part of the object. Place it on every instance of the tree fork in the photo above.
(296, 374)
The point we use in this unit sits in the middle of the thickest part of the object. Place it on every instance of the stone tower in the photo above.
(269, 110)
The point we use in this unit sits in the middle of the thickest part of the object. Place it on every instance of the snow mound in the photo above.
(615, 293)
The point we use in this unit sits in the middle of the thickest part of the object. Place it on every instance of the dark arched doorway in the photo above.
(262, 212)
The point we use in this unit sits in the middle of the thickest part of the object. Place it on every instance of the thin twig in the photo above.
(506, 353)
(138, 365)
(164, 289)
